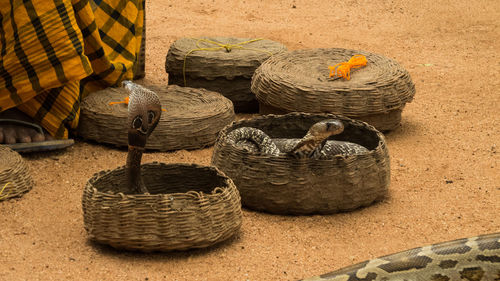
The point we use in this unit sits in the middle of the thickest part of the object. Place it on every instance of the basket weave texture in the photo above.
(299, 81)
(190, 206)
(228, 73)
(15, 173)
(192, 119)
(285, 185)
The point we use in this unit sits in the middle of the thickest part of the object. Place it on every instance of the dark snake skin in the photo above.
(255, 140)
(469, 259)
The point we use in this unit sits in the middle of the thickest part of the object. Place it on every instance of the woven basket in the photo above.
(228, 73)
(14, 174)
(285, 185)
(190, 206)
(192, 119)
(299, 81)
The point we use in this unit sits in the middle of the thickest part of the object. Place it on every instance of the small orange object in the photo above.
(125, 101)
(343, 69)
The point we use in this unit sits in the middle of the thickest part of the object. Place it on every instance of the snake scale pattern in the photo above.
(469, 259)
(313, 145)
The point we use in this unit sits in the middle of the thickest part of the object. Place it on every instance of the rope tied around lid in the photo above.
(219, 46)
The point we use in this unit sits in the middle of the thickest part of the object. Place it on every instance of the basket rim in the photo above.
(216, 191)
(217, 62)
(179, 44)
(283, 156)
(216, 99)
(307, 52)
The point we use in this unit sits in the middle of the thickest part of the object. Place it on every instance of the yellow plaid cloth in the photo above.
(54, 51)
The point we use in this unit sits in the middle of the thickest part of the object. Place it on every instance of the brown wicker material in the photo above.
(192, 119)
(14, 174)
(286, 185)
(228, 73)
(299, 81)
(190, 206)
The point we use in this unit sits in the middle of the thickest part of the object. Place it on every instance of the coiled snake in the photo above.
(470, 259)
(313, 145)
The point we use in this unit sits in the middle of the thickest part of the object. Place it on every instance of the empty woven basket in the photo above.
(192, 119)
(299, 81)
(211, 66)
(190, 206)
(14, 174)
(285, 185)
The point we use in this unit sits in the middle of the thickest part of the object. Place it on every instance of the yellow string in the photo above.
(343, 69)
(219, 46)
(125, 101)
(1, 191)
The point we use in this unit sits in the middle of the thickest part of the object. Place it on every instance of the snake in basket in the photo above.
(144, 112)
(313, 145)
(469, 259)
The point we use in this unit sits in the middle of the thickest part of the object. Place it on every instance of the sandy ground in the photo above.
(445, 181)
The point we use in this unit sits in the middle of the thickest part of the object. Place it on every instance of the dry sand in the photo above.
(445, 181)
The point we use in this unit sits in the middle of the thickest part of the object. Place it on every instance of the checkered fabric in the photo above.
(54, 51)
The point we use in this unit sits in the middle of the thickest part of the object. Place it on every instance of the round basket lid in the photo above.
(299, 81)
(192, 119)
(205, 57)
(14, 174)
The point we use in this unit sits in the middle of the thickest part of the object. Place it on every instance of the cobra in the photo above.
(144, 112)
(469, 259)
(314, 144)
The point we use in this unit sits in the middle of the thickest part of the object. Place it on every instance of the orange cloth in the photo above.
(53, 52)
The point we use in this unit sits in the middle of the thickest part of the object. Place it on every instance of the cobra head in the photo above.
(144, 112)
(326, 128)
(317, 136)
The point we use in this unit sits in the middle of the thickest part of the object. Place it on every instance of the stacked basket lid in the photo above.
(192, 119)
(220, 64)
(299, 81)
(189, 206)
(15, 178)
(286, 185)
